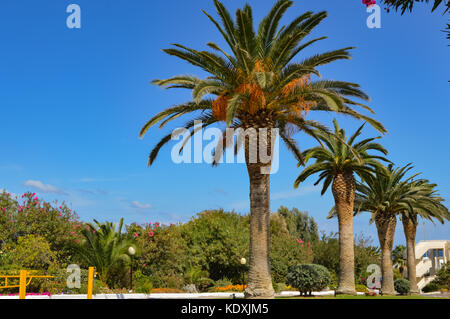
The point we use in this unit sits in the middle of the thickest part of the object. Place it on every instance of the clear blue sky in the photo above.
(72, 103)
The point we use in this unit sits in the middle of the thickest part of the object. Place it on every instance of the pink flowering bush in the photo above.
(30, 215)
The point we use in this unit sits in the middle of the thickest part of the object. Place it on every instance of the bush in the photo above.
(223, 282)
(361, 288)
(431, 287)
(443, 277)
(279, 286)
(402, 286)
(233, 288)
(143, 283)
(308, 278)
(167, 291)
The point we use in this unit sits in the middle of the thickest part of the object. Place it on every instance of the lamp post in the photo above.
(243, 262)
(131, 252)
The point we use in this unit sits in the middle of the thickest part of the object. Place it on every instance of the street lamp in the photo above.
(243, 262)
(131, 252)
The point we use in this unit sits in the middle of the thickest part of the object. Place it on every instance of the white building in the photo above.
(431, 255)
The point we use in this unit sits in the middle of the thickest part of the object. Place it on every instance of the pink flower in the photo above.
(136, 235)
(150, 233)
(300, 241)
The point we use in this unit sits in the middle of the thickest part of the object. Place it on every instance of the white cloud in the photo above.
(45, 188)
(136, 204)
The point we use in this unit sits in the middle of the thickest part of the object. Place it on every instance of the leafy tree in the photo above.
(32, 252)
(365, 255)
(286, 250)
(56, 223)
(216, 242)
(337, 160)
(257, 85)
(105, 248)
(326, 252)
(163, 252)
(299, 224)
(399, 258)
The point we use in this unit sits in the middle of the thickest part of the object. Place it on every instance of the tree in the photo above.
(33, 252)
(405, 5)
(300, 224)
(257, 86)
(217, 241)
(286, 249)
(428, 205)
(408, 5)
(337, 161)
(386, 195)
(105, 248)
(29, 215)
(399, 258)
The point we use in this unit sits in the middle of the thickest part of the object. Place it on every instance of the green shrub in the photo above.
(431, 287)
(223, 282)
(402, 286)
(308, 278)
(279, 286)
(361, 288)
(443, 277)
(143, 283)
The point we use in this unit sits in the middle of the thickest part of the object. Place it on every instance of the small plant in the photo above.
(371, 294)
(361, 288)
(308, 278)
(402, 286)
(166, 290)
(431, 287)
(230, 288)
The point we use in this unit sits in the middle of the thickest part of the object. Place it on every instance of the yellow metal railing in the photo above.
(25, 279)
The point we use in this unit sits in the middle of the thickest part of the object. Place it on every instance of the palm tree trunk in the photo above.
(386, 229)
(344, 194)
(410, 227)
(259, 278)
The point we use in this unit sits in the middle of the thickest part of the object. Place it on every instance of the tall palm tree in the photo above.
(399, 259)
(428, 205)
(257, 86)
(104, 247)
(337, 162)
(386, 195)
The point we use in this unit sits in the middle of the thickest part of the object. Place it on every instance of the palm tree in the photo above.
(428, 206)
(386, 195)
(399, 259)
(104, 247)
(257, 86)
(337, 162)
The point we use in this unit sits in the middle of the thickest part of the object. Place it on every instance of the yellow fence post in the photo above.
(22, 284)
(90, 282)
